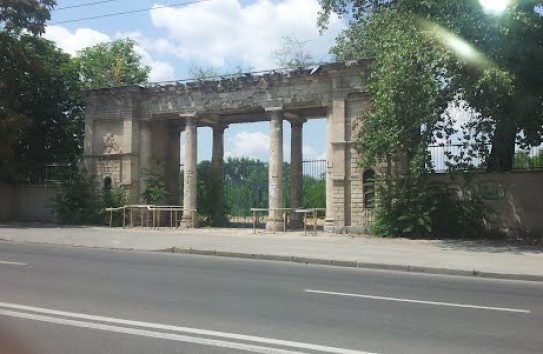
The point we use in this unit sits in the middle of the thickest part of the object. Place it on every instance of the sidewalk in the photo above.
(486, 259)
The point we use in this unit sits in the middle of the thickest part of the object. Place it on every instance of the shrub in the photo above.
(156, 191)
(416, 207)
(75, 201)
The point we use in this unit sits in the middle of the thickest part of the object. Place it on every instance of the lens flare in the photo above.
(495, 6)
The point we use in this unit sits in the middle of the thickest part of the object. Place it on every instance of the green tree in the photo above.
(206, 194)
(495, 68)
(292, 53)
(314, 192)
(17, 16)
(203, 72)
(50, 98)
(419, 68)
(208, 72)
(111, 64)
(40, 103)
(246, 185)
(524, 161)
(155, 191)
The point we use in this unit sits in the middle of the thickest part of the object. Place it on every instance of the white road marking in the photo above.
(151, 334)
(13, 263)
(151, 325)
(435, 303)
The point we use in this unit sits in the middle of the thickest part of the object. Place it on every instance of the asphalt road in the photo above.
(73, 300)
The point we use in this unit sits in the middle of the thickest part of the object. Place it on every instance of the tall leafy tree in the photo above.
(17, 16)
(109, 64)
(43, 90)
(40, 106)
(496, 64)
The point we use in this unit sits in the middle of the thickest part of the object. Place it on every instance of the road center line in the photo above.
(13, 263)
(151, 325)
(434, 303)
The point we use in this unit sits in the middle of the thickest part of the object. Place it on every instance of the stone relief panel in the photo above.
(110, 145)
(108, 137)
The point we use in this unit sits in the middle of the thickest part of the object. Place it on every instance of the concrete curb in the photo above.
(305, 260)
(355, 264)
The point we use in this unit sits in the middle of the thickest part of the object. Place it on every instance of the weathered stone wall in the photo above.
(514, 200)
(133, 129)
(25, 202)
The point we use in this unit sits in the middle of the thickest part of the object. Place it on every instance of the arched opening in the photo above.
(107, 183)
(368, 182)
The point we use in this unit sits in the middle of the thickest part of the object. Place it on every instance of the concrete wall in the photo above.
(26, 202)
(515, 200)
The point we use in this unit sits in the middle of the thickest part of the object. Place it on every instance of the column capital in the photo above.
(273, 109)
(219, 126)
(295, 119)
(190, 118)
(274, 112)
(297, 122)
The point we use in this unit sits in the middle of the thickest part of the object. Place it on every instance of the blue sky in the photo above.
(222, 34)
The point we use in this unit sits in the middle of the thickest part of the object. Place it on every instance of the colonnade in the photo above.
(275, 168)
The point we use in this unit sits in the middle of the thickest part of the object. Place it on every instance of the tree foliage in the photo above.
(292, 53)
(203, 72)
(429, 54)
(17, 16)
(40, 103)
(110, 64)
(155, 191)
(495, 67)
(79, 201)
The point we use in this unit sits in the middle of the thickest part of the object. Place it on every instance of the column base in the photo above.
(275, 226)
(188, 223)
(329, 226)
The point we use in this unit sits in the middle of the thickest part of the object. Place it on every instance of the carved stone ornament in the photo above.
(110, 145)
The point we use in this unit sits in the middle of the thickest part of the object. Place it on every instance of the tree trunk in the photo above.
(502, 155)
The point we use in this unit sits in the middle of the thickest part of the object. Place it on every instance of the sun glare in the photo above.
(495, 6)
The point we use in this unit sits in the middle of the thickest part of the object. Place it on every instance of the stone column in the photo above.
(336, 181)
(296, 178)
(275, 182)
(145, 153)
(190, 176)
(329, 218)
(217, 163)
(173, 162)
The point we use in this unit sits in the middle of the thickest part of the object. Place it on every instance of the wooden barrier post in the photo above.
(254, 222)
(315, 222)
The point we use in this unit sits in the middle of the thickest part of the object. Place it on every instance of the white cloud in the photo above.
(70, 42)
(249, 144)
(160, 70)
(215, 33)
(82, 38)
(312, 154)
